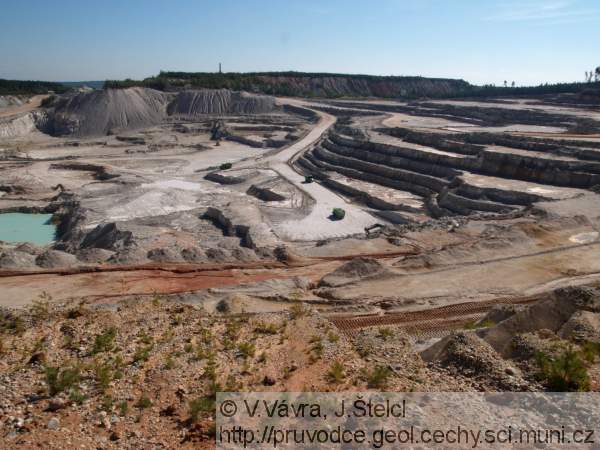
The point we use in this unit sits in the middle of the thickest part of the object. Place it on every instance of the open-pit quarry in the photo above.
(467, 224)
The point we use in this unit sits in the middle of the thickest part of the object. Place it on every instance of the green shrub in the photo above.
(338, 214)
(309, 179)
(144, 402)
(201, 406)
(142, 353)
(298, 310)
(333, 338)
(264, 328)
(77, 397)
(247, 349)
(386, 333)
(473, 325)
(123, 408)
(336, 373)
(40, 309)
(590, 351)
(61, 380)
(317, 348)
(378, 377)
(104, 342)
(225, 166)
(565, 373)
(107, 403)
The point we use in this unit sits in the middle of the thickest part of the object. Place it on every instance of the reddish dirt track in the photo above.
(442, 318)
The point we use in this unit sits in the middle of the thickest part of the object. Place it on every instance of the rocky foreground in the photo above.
(143, 373)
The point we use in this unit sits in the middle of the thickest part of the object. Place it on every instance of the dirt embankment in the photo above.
(219, 101)
(104, 112)
(360, 86)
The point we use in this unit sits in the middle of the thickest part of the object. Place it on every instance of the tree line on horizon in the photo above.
(20, 87)
(259, 82)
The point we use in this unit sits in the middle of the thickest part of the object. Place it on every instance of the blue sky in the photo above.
(481, 41)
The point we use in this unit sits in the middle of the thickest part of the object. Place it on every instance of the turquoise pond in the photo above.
(21, 227)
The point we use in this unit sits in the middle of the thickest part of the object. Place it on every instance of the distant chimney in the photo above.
(220, 68)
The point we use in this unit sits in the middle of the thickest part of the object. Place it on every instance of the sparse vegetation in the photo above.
(264, 328)
(104, 375)
(386, 333)
(123, 408)
(104, 342)
(225, 166)
(40, 308)
(142, 353)
(61, 379)
(144, 402)
(298, 310)
(378, 377)
(332, 337)
(201, 406)
(564, 373)
(247, 349)
(336, 374)
(473, 325)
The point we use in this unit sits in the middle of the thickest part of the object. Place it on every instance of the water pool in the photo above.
(24, 227)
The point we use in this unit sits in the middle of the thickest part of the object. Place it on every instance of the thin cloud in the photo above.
(556, 12)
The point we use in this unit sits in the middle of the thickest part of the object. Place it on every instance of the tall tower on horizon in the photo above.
(220, 68)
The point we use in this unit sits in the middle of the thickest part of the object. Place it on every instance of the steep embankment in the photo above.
(359, 86)
(101, 112)
(301, 84)
(219, 101)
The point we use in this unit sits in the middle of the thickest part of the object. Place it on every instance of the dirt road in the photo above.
(34, 102)
(317, 224)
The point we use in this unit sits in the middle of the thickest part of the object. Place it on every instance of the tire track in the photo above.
(426, 322)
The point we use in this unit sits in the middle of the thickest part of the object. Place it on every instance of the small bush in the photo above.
(565, 373)
(309, 179)
(104, 376)
(142, 354)
(107, 403)
(264, 328)
(386, 333)
(317, 349)
(10, 323)
(77, 397)
(169, 363)
(336, 373)
(144, 402)
(61, 380)
(297, 310)
(201, 406)
(40, 309)
(123, 408)
(231, 384)
(378, 377)
(338, 214)
(104, 342)
(590, 351)
(225, 166)
(247, 349)
(333, 338)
